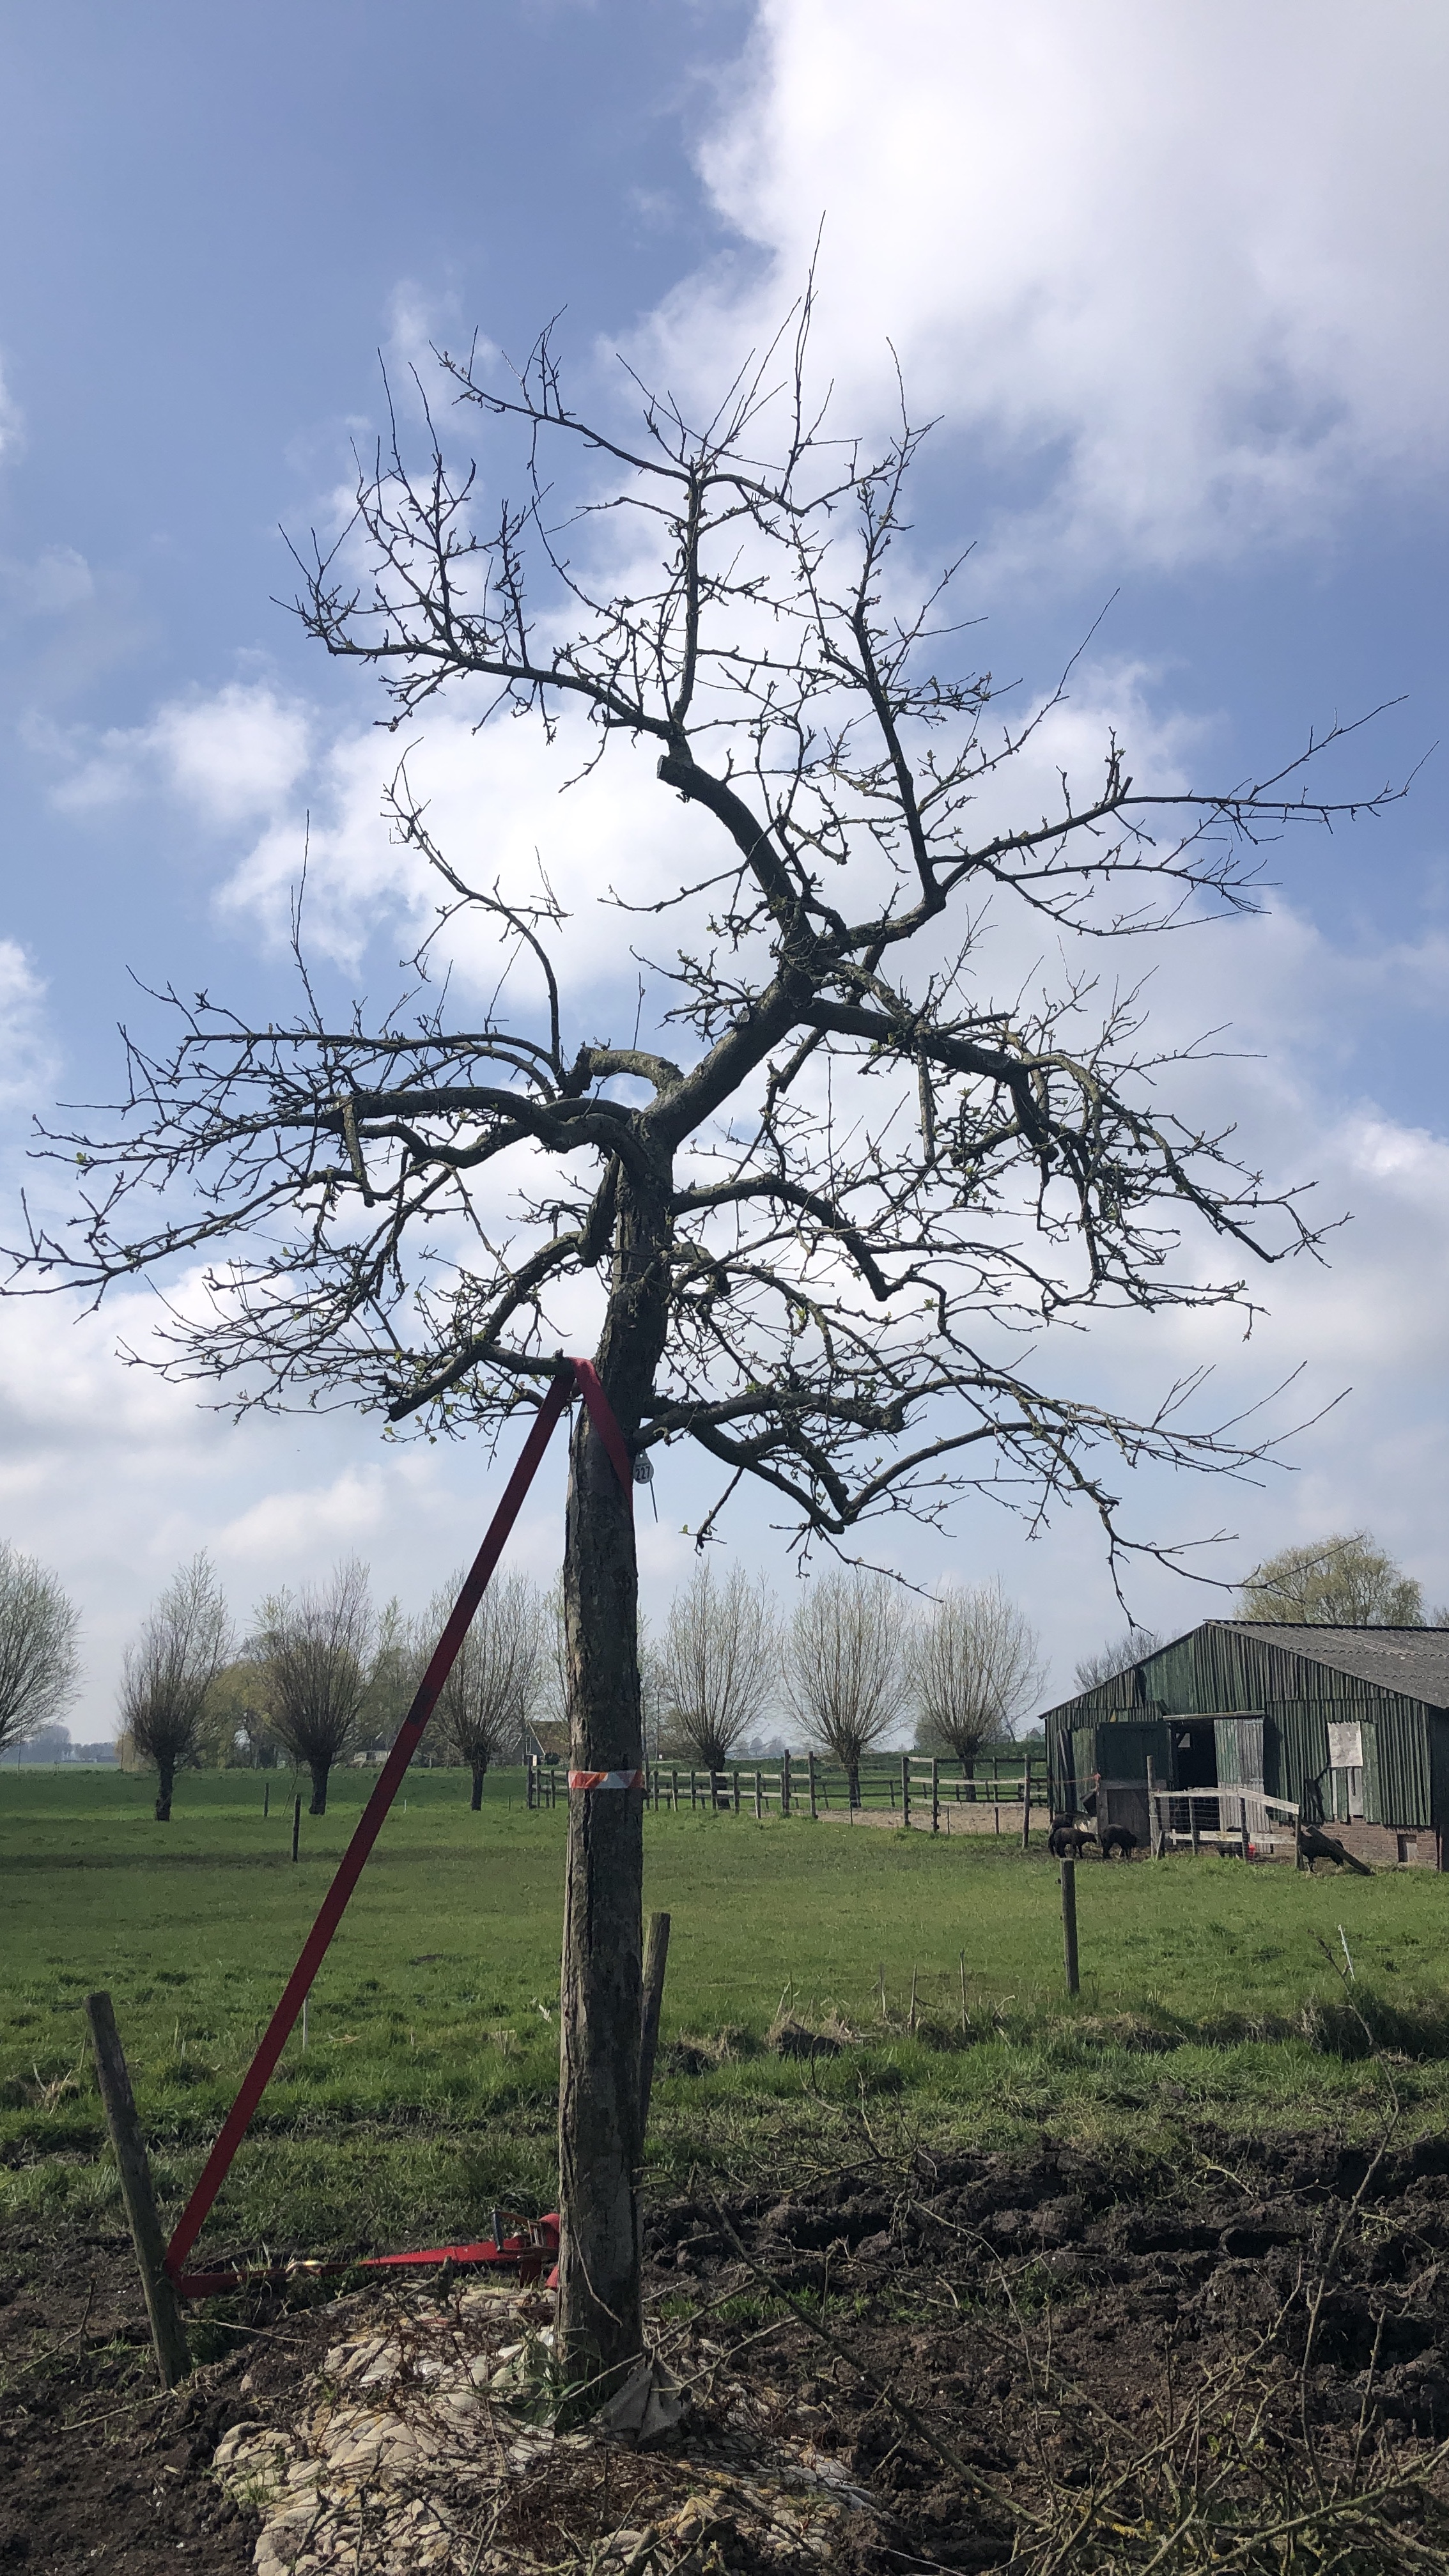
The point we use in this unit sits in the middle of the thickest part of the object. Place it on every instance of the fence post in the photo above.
(1194, 1825)
(1026, 1806)
(814, 1809)
(674, 1792)
(1069, 1925)
(266, 1798)
(296, 1825)
(759, 1797)
(1243, 1827)
(905, 1789)
(168, 2334)
(656, 1952)
(935, 1793)
(784, 1784)
(736, 1777)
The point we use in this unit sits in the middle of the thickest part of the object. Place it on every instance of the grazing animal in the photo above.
(1067, 1841)
(1116, 1838)
(1314, 1844)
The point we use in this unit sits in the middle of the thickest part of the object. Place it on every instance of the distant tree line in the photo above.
(324, 1675)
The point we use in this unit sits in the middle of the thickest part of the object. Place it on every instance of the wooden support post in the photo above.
(759, 1796)
(1243, 1827)
(736, 1777)
(935, 1794)
(1156, 1837)
(814, 1807)
(1069, 1925)
(266, 1798)
(674, 1792)
(163, 2307)
(1194, 1827)
(692, 1796)
(656, 1952)
(1026, 1808)
(905, 1789)
(784, 1784)
(296, 1826)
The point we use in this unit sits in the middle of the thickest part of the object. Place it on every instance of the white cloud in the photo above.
(1191, 260)
(232, 757)
(26, 1058)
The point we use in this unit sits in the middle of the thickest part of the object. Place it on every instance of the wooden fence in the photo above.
(918, 1789)
(1240, 1820)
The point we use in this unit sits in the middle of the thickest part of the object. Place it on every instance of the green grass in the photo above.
(428, 2087)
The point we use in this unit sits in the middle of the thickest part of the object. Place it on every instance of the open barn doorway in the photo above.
(1194, 1747)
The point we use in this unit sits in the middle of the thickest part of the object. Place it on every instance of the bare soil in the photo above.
(984, 2342)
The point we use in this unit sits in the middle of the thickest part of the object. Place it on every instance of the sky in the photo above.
(1170, 283)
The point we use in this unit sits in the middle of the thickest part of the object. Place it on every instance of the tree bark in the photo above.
(319, 1770)
(477, 1799)
(165, 1783)
(600, 2318)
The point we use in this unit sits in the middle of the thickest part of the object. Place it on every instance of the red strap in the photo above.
(577, 1376)
(606, 1423)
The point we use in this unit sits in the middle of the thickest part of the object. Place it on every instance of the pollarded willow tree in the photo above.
(831, 1200)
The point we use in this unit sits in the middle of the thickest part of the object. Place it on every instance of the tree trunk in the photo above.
(319, 1770)
(165, 1783)
(477, 1800)
(600, 2319)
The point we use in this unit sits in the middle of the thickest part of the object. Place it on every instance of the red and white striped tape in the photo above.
(606, 1779)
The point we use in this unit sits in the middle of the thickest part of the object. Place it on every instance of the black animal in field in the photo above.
(1067, 1841)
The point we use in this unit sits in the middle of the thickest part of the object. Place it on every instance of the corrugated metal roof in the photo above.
(1413, 1661)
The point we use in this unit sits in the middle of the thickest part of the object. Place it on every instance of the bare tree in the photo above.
(973, 1665)
(493, 1687)
(719, 1665)
(1346, 1581)
(39, 1663)
(837, 1178)
(845, 1669)
(319, 1649)
(392, 1678)
(1117, 1656)
(168, 1674)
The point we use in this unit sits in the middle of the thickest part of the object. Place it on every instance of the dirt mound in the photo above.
(1048, 2354)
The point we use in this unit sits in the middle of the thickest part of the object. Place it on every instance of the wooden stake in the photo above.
(965, 2016)
(1069, 1925)
(266, 1798)
(911, 2021)
(296, 1825)
(168, 2334)
(656, 1953)
(1026, 1808)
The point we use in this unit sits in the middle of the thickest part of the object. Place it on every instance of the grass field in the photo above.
(427, 2089)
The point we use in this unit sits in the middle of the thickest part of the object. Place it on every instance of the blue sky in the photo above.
(1173, 283)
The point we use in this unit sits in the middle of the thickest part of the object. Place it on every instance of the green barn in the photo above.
(1350, 1724)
